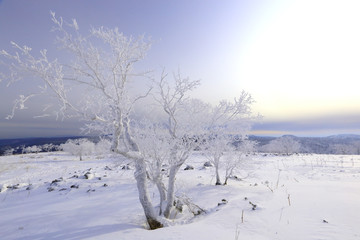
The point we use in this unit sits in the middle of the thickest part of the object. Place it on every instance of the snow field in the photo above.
(296, 197)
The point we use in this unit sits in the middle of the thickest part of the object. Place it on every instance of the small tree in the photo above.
(225, 120)
(79, 147)
(215, 147)
(9, 151)
(235, 159)
(48, 147)
(32, 149)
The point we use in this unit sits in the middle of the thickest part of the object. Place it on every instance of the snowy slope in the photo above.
(47, 196)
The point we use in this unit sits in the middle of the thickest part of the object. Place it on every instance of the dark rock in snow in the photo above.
(223, 202)
(105, 185)
(126, 167)
(74, 186)
(208, 164)
(89, 175)
(50, 189)
(107, 168)
(189, 167)
(13, 187)
(54, 182)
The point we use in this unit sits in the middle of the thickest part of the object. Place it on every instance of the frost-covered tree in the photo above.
(227, 122)
(48, 147)
(183, 123)
(214, 149)
(32, 149)
(78, 147)
(234, 160)
(9, 151)
(154, 146)
(96, 83)
(350, 148)
(93, 84)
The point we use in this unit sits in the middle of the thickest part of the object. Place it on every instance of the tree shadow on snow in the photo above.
(80, 233)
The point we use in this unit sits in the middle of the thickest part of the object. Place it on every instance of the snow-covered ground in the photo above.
(47, 196)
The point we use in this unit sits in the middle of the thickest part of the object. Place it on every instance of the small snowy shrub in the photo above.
(79, 147)
(32, 149)
(9, 152)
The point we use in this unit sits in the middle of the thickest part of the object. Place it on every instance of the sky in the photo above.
(298, 59)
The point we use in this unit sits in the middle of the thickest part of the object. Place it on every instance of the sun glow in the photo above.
(305, 60)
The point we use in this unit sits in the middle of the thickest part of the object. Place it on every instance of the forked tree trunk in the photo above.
(141, 181)
(171, 189)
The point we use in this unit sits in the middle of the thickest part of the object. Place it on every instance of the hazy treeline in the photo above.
(339, 144)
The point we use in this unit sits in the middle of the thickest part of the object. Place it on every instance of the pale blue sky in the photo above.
(299, 59)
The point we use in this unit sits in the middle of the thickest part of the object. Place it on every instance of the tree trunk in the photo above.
(129, 140)
(218, 182)
(216, 161)
(115, 139)
(171, 189)
(141, 180)
(161, 188)
(226, 179)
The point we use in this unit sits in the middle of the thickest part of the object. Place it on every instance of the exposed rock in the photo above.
(54, 182)
(189, 167)
(223, 202)
(89, 175)
(13, 187)
(208, 164)
(126, 167)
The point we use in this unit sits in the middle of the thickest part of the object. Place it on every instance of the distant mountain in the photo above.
(261, 140)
